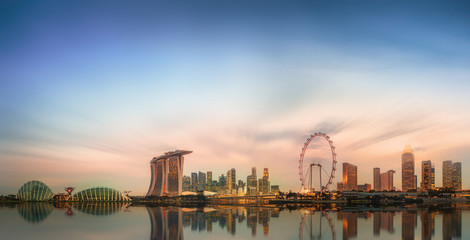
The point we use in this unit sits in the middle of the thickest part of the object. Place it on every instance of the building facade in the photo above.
(408, 169)
(266, 183)
(167, 174)
(426, 175)
(349, 177)
(447, 172)
(377, 179)
(457, 175)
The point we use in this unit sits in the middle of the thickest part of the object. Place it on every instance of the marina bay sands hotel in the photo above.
(167, 174)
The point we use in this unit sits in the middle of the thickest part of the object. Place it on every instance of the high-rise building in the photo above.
(426, 175)
(408, 169)
(384, 182)
(229, 181)
(457, 175)
(194, 182)
(201, 182)
(349, 177)
(433, 177)
(447, 172)
(209, 177)
(234, 179)
(222, 183)
(377, 179)
(390, 180)
(252, 183)
(260, 186)
(186, 183)
(266, 184)
(167, 174)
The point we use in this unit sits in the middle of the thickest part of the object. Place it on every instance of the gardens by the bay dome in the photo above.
(35, 191)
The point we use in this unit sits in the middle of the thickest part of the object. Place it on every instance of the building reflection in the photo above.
(408, 224)
(427, 224)
(349, 224)
(383, 221)
(34, 212)
(451, 224)
(167, 222)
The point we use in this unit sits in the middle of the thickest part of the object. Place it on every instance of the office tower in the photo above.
(234, 179)
(349, 177)
(193, 181)
(426, 175)
(167, 174)
(377, 186)
(209, 177)
(266, 184)
(447, 170)
(229, 181)
(252, 183)
(241, 187)
(408, 169)
(201, 183)
(457, 175)
(222, 183)
(186, 183)
(390, 180)
(384, 182)
(433, 177)
(260, 186)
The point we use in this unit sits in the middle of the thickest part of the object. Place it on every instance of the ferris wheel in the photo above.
(317, 163)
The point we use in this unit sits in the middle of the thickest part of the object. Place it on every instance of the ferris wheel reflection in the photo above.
(316, 225)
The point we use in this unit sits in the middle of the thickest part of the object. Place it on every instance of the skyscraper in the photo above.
(386, 180)
(447, 172)
(408, 169)
(457, 175)
(426, 175)
(266, 184)
(194, 182)
(433, 177)
(186, 183)
(349, 177)
(377, 179)
(229, 181)
(209, 178)
(201, 182)
(252, 183)
(234, 179)
(167, 174)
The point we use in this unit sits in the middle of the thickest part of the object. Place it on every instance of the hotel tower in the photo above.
(167, 174)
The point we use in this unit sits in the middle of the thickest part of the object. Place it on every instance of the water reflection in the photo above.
(451, 224)
(34, 212)
(100, 208)
(167, 222)
(411, 222)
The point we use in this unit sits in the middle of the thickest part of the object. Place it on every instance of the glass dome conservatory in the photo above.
(100, 194)
(35, 191)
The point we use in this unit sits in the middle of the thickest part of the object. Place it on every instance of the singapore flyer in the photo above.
(317, 163)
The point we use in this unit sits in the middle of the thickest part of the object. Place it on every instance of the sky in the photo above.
(91, 91)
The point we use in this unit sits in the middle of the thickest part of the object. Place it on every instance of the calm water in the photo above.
(120, 221)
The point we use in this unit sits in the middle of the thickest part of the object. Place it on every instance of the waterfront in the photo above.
(125, 221)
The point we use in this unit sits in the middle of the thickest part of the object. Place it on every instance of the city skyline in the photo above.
(88, 101)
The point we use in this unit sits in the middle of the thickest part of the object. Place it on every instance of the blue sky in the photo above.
(90, 92)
